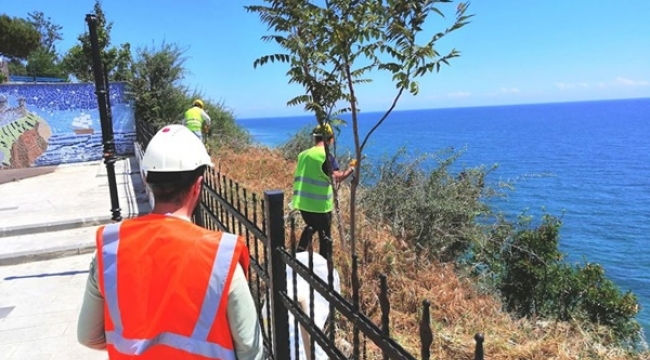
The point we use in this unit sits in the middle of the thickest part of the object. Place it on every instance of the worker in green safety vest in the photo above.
(312, 190)
(196, 119)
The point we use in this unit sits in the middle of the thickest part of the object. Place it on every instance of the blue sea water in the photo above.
(588, 162)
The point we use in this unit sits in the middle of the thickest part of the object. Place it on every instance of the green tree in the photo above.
(333, 47)
(45, 61)
(18, 38)
(49, 32)
(16, 67)
(156, 86)
(117, 61)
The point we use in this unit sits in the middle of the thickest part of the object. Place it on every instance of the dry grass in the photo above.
(458, 309)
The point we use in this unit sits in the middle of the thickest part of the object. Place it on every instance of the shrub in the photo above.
(433, 210)
(604, 303)
(534, 280)
(160, 98)
(224, 130)
(302, 140)
(446, 215)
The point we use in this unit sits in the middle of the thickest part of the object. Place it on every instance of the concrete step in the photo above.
(61, 222)
(70, 197)
(45, 246)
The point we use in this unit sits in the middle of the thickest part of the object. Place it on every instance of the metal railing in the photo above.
(226, 206)
(291, 326)
(144, 131)
(350, 332)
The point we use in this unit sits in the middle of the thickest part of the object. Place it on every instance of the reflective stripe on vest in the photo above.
(193, 119)
(311, 196)
(197, 343)
(311, 181)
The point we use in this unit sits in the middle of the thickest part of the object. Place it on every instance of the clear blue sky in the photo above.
(513, 52)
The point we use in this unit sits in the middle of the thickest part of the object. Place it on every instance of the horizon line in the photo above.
(459, 107)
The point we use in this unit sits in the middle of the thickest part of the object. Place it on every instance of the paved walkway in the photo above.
(39, 308)
(71, 192)
(55, 213)
(48, 217)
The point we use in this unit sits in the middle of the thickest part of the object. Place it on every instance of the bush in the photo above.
(526, 258)
(299, 142)
(604, 303)
(433, 210)
(224, 130)
(160, 98)
(446, 215)
(530, 274)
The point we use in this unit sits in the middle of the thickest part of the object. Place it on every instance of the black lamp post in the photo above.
(101, 84)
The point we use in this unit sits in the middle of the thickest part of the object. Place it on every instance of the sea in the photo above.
(586, 162)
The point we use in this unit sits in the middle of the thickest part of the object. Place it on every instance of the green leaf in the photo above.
(414, 88)
(300, 99)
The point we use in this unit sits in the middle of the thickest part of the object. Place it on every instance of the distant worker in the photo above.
(196, 119)
(312, 190)
(161, 287)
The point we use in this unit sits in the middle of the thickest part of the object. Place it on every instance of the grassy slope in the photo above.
(458, 309)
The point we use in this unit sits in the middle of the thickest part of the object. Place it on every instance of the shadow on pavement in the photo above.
(64, 273)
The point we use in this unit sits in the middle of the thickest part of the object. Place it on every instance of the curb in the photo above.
(54, 226)
(45, 254)
(60, 225)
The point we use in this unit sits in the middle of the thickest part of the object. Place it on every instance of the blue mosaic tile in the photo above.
(51, 124)
(62, 96)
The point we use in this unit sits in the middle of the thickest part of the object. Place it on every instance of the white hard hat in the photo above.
(175, 148)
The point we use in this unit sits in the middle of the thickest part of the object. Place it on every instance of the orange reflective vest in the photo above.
(165, 284)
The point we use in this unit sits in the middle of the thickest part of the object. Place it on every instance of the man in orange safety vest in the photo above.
(161, 287)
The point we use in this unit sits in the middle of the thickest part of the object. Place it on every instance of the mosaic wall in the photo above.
(51, 124)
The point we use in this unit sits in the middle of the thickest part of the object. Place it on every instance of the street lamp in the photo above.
(101, 84)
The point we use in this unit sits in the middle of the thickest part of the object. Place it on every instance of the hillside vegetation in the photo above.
(463, 302)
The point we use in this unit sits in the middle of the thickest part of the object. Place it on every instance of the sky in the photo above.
(512, 52)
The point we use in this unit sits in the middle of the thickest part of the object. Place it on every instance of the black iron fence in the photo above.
(144, 131)
(302, 310)
(228, 207)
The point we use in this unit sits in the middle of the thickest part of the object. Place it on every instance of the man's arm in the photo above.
(90, 328)
(338, 175)
(206, 117)
(242, 318)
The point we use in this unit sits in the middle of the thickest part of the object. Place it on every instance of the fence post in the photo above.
(478, 352)
(274, 217)
(197, 214)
